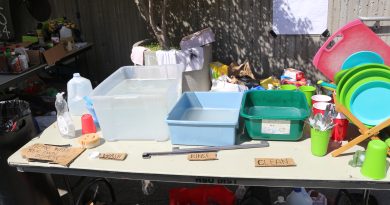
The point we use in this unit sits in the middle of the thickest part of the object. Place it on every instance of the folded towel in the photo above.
(137, 55)
(166, 57)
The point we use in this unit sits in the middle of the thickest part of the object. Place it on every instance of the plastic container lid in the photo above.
(297, 189)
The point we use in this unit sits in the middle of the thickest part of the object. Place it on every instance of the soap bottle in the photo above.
(64, 120)
(299, 196)
(78, 87)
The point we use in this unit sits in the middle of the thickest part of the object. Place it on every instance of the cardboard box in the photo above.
(3, 64)
(35, 57)
(55, 54)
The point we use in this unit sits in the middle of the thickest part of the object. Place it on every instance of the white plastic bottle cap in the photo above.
(76, 74)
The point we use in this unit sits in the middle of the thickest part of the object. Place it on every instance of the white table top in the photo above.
(232, 166)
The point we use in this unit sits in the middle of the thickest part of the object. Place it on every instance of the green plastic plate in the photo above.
(346, 74)
(370, 103)
(350, 92)
(373, 72)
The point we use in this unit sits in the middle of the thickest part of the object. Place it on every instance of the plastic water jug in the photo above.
(65, 33)
(78, 87)
(299, 196)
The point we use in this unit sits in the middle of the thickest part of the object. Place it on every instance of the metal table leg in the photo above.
(366, 196)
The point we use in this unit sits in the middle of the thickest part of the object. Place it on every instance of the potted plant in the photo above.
(155, 14)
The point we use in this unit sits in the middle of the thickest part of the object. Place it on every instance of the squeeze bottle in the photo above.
(78, 87)
(64, 120)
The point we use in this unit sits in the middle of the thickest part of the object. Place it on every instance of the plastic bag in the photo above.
(12, 113)
(16, 124)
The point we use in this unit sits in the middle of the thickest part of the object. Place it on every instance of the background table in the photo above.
(11, 79)
(7, 80)
(233, 167)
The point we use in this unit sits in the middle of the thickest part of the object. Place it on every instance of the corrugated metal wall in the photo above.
(241, 28)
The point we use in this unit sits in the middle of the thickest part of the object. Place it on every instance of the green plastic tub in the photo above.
(274, 114)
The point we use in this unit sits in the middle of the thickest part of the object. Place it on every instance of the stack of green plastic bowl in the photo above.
(365, 91)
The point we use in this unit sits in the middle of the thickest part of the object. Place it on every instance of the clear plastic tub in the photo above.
(133, 102)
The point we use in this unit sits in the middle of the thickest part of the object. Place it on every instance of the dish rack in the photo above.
(365, 132)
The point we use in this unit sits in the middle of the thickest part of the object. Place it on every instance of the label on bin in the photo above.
(280, 127)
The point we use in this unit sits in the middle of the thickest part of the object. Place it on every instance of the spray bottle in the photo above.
(64, 120)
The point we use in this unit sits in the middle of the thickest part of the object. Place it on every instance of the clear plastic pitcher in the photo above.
(78, 87)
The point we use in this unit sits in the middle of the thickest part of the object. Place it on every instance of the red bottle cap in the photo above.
(87, 124)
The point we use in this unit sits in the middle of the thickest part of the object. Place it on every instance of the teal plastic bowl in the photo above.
(370, 103)
(361, 57)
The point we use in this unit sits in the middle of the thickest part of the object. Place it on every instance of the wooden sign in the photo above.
(202, 156)
(274, 162)
(51, 154)
(113, 156)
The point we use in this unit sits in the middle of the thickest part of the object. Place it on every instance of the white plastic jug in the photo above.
(299, 196)
(65, 33)
(78, 87)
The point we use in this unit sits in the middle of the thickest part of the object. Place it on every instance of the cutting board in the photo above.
(351, 38)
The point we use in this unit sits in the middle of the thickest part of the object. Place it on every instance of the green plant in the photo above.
(154, 46)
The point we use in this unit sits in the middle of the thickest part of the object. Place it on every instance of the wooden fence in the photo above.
(241, 27)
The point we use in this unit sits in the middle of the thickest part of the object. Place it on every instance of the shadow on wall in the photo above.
(242, 32)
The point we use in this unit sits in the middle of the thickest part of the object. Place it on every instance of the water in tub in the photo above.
(210, 115)
(151, 103)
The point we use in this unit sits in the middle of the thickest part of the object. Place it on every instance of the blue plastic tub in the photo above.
(205, 118)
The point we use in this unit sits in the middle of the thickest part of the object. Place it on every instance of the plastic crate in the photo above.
(274, 114)
(205, 118)
(133, 102)
(202, 195)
